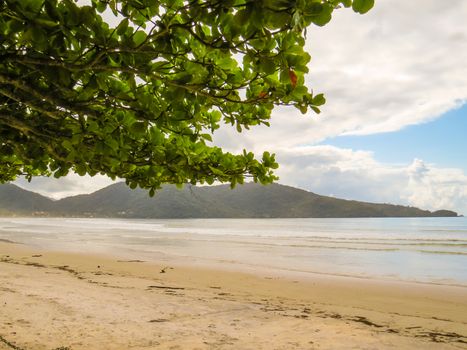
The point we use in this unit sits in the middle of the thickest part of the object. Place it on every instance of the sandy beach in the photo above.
(56, 300)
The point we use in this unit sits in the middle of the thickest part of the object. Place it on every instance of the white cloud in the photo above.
(345, 173)
(394, 66)
(437, 188)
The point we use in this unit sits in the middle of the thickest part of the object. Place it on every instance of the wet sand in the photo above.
(51, 300)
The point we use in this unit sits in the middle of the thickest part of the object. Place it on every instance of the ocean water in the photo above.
(428, 250)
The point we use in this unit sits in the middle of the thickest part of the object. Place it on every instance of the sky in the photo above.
(393, 128)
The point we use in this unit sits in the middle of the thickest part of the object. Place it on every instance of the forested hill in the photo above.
(247, 201)
(16, 201)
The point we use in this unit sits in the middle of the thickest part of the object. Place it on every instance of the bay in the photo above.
(426, 250)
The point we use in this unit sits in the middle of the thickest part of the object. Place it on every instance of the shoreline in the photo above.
(147, 304)
(360, 249)
(236, 266)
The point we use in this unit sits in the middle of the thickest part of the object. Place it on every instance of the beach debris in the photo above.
(37, 255)
(34, 264)
(158, 320)
(366, 321)
(166, 287)
(443, 337)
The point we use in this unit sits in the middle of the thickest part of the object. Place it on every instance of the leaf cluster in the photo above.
(141, 100)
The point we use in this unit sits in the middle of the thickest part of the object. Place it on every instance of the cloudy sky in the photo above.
(393, 128)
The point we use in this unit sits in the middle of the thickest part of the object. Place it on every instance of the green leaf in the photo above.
(319, 14)
(46, 22)
(319, 100)
(206, 137)
(100, 5)
(122, 27)
(139, 37)
(216, 171)
(362, 6)
(268, 65)
(315, 109)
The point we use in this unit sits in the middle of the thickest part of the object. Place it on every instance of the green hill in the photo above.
(247, 201)
(16, 201)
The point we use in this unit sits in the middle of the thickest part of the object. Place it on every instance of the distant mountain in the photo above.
(246, 201)
(15, 200)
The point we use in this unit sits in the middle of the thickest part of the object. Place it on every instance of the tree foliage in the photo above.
(140, 100)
